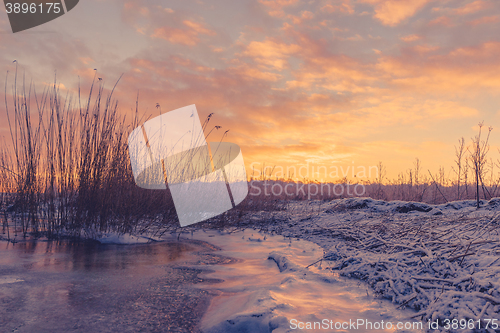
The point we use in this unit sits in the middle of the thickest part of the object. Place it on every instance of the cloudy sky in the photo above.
(324, 82)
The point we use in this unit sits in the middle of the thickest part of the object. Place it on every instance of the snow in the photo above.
(10, 279)
(269, 286)
(439, 260)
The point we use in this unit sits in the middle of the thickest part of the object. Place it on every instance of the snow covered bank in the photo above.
(441, 260)
(271, 290)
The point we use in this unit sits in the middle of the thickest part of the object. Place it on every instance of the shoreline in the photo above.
(360, 239)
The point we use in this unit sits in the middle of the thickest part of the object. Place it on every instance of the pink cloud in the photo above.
(271, 53)
(468, 70)
(410, 38)
(276, 7)
(485, 20)
(186, 36)
(344, 7)
(472, 7)
(442, 20)
(393, 12)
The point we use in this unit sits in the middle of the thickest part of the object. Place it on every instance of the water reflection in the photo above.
(64, 256)
(62, 286)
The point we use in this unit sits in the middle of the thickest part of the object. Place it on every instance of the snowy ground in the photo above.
(440, 260)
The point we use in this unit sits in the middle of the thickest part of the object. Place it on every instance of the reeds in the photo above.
(66, 170)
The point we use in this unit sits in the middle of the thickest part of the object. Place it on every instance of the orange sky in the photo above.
(318, 83)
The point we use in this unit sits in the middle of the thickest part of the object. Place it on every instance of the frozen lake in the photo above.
(183, 286)
(89, 287)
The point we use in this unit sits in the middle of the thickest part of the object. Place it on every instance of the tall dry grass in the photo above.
(65, 169)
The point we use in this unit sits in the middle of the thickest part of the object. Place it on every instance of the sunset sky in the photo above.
(329, 83)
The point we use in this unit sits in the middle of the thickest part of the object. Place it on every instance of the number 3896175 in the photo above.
(33, 8)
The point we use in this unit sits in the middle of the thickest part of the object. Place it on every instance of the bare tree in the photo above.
(441, 172)
(466, 179)
(419, 185)
(380, 178)
(459, 153)
(478, 158)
